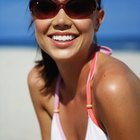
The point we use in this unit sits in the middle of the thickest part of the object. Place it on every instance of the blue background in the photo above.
(120, 29)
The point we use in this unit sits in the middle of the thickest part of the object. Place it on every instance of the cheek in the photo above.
(41, 26)
(86, 28)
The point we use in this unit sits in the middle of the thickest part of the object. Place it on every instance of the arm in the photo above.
(35, 84)
(118, 101)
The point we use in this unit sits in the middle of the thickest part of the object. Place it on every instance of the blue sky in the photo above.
(122, 18)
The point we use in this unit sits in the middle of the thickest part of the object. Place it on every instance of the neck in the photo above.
(71, 72)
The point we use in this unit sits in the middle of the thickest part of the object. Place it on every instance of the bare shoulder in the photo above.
(113, 75)
(117, 97)
(36, 84)
(35, 79)
(43, 103)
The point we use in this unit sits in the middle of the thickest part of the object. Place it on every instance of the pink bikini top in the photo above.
(93, 130)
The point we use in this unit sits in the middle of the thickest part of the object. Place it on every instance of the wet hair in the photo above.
(49, 71)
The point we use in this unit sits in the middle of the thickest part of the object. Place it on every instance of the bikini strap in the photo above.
(88, 89)
(89, 105)
(56, 108)
(105, 50)
(56, 97)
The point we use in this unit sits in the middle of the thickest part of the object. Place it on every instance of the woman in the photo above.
(79, 92)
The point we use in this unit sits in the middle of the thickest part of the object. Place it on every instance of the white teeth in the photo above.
(63, 37)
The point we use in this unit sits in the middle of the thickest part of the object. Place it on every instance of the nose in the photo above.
(61, 21)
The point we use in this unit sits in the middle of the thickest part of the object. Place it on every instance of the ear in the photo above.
(99, 20)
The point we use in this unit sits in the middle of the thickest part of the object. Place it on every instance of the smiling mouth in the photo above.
(63, 38)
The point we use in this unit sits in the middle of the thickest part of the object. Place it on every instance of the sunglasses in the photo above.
(76, 9)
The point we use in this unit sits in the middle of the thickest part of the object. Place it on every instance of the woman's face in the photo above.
(63, 37)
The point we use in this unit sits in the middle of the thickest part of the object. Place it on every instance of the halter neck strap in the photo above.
(56, 98)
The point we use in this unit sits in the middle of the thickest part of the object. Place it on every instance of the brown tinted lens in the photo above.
(80, 8)
(43, 9)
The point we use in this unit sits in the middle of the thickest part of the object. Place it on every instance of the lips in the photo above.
(63, 39)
